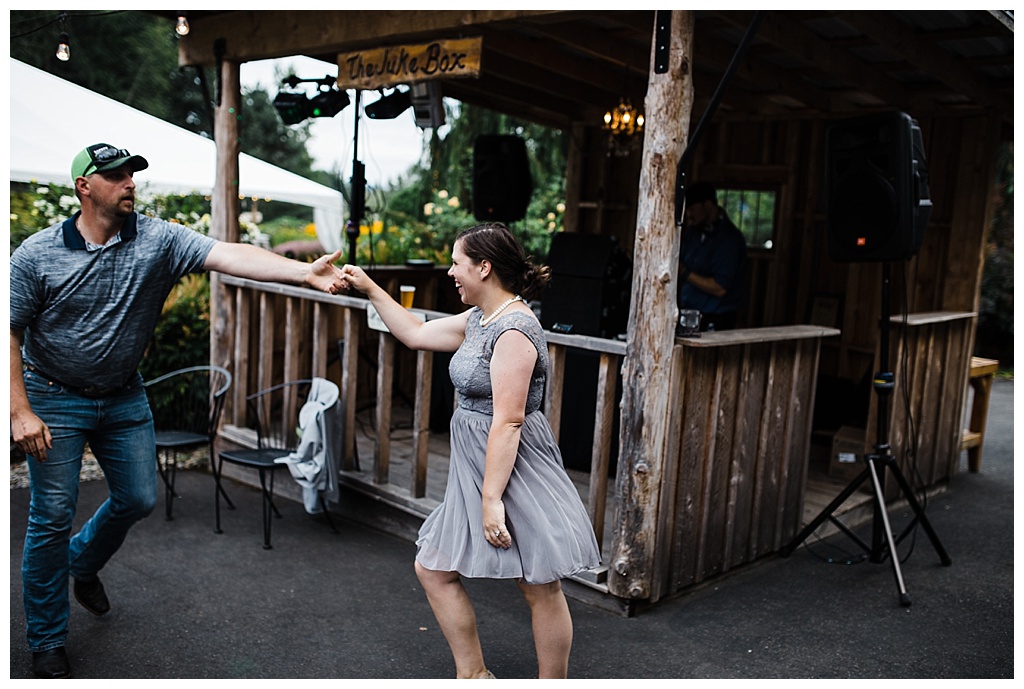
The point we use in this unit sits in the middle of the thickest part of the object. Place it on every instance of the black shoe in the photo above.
(51, 664)
(92, 596)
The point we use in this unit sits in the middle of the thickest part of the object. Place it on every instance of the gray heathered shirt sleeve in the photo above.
(88, 316)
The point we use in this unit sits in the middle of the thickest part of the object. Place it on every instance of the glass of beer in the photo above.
(408, 293)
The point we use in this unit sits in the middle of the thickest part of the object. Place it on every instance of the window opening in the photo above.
(753, 212)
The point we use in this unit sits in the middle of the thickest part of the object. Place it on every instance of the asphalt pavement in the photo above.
(188, 603)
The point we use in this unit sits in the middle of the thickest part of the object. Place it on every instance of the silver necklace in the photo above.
(484, 321)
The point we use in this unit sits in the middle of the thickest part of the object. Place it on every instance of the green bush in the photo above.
(396, 237)
(288, 228)
(182, 335)
(36, 207)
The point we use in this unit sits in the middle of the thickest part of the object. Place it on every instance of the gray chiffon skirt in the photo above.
(551, 533)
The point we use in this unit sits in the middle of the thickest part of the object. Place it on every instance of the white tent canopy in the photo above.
(52, 119)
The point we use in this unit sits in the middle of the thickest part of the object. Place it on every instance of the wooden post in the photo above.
(651, 333)
(600, 456)
(349, 379)
(224, 211)
(555, 385)
(240, 357)
(421, 422)
(385, 384)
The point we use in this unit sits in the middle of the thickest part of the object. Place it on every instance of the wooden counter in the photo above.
(744, 402)
(729, 338)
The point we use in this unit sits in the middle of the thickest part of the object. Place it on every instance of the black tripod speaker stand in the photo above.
(877, 463)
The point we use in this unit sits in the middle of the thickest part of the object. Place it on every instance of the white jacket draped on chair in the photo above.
(316, 461)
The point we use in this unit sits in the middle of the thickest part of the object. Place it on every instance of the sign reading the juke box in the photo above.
(380, 67)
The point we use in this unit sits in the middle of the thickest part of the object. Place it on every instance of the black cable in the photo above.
(910, 429)
(709, 112)
(911, 426)
(63, 16)
(848, 558)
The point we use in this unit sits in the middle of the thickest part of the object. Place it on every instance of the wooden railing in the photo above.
(741, 406)
(284, 333)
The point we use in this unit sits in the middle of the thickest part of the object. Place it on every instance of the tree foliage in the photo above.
(262, 135)
(131, 57)
(995, 318)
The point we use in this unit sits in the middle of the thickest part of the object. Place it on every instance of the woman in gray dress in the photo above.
(509, 510)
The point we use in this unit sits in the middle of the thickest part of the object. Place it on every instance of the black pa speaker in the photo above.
(877, 188)
(502, 184)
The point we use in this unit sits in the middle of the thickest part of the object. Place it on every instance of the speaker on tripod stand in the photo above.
(877, 187)
(878, 208)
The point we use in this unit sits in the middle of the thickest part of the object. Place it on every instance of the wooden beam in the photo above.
(545, 54)
(546, 83)
(531, 105)
(923, 54)
(647, 368)
(263, 34)
(760, 75)
(603, 45)
(803, 44)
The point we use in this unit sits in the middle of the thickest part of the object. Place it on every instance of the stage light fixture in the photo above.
(390, 106)
(328, 103)
(181, 27)
(292, 106)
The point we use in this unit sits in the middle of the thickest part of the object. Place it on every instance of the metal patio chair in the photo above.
(186, 406)
(274, 413)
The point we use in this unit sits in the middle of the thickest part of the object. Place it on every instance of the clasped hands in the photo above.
(327, 277)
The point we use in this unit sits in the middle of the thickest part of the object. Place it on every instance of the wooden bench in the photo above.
(980, 379)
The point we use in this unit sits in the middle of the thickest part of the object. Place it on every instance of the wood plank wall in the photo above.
(736, 490)
(788, 156)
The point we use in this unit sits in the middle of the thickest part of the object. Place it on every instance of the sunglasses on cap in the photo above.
(104, 155)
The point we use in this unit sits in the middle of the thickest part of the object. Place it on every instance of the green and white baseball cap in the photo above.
(102, 157)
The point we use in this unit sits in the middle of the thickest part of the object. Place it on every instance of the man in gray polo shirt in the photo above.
(86, 295)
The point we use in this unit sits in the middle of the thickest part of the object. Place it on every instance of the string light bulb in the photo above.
(182, 28)
(64, 47)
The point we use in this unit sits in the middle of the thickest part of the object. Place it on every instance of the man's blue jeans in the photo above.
(120, 433)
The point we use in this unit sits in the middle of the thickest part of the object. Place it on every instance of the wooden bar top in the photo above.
(932, 317)
(729, 338)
